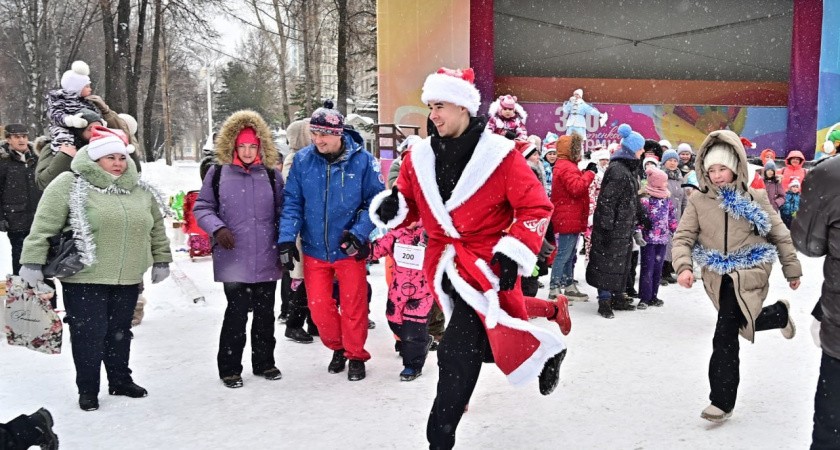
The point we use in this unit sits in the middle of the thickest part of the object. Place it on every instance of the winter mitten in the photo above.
(4, 225)
(507, 271)
(97, 100)
(225, 238)
(390, 206)
(31, 274)
(160, 272)
(350, 245)
(76, 121)
(510, 135)
(637, 237)
(288, 254)
(815, 333)
(546, 249)
(646, 223)
(592, 167)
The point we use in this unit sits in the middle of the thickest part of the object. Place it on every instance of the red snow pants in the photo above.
(346, 329)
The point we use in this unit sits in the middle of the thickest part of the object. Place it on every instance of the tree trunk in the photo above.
(341, 64)
(123, 44)
(149, 104)
(113, 96)
(281, 62)
(132, 80)
(307, 66)
(164, 92)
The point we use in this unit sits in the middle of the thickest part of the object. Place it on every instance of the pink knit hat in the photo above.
(507, 101)
(657, 183)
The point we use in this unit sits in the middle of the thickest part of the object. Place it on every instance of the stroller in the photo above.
(198, 241)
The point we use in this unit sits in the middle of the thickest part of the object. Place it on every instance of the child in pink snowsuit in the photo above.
(409, 297)
(507, 118)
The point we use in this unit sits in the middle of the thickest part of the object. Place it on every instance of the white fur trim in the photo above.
(493, 306)
(514, 249)
(488, 155)
(446, 88)
(550, 343)
(377, 201)
(494, 109)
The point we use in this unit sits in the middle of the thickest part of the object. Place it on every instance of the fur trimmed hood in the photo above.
(569, 147)
(226, 143)
(298, 135)
(728, 138)
(494, 110)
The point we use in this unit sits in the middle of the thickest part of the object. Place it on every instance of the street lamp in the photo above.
(206, 74)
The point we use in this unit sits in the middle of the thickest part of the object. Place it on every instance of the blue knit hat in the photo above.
(669, 154)
(770, 166)
(631, 142)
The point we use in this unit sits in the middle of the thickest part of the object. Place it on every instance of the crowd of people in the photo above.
(467, 220)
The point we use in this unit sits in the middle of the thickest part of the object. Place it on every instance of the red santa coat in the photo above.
(496, 206)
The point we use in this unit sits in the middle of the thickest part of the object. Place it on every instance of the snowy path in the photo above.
(635, 382)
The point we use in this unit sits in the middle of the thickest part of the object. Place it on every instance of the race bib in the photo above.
(409, 256)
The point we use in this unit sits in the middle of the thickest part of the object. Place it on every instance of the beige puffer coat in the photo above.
(704, 222)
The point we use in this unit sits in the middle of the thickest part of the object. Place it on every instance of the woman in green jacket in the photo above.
(117, 222)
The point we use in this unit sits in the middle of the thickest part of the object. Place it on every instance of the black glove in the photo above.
(288, 254)
(4, 225)
(508, 271)
(225, 238)
(592, 167)
(646, 224)
(390, 207)
(350, 245)
(510, 135)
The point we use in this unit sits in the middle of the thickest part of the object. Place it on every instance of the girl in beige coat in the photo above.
(733, 233)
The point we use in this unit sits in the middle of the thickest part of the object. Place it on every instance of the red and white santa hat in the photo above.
(454, 86)
(527, 148)
(107, 141)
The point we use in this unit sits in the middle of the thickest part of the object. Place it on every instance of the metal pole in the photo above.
(209, 105)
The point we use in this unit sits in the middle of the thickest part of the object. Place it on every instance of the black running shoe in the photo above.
(357, 370)
(338, 362)
(233, 381)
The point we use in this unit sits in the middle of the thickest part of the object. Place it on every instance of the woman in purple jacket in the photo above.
(240, 205)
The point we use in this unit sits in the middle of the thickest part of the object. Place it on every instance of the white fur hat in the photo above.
(599, 155)
(130, 122)
(578, 92)
(665, 143)
(453, 86)
(721, 154)
(75, 79)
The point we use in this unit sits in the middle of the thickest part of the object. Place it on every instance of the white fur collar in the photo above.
(488, 155)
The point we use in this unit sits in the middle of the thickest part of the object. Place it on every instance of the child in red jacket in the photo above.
(409, 298)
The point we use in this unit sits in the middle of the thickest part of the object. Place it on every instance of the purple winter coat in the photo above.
(246, 210)
(662, 216)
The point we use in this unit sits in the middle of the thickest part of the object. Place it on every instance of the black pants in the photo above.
(631, 273)
(16, 239)
(240, 297)
(414, 342)
(295, 303)
(462, 351)
(827, 406)
(724, 374)
(530, 286)
(99, 316)
(19, 434)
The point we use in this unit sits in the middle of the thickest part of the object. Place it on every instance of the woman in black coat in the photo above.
(617, 214)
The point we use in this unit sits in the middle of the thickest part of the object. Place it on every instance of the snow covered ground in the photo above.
(635, 382)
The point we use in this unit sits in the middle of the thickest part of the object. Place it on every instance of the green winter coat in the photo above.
(125, 222)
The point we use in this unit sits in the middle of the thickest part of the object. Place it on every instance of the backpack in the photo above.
(217, 177)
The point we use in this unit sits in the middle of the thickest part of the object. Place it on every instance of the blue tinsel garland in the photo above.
(743, 258)
(739, 207)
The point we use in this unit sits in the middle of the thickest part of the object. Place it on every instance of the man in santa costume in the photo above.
(486, 216)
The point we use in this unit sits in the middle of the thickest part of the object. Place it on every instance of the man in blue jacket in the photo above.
(327, 196)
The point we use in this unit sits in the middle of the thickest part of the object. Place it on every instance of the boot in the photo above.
(88, 402)
(43, 423)
(298, 335)
(656, 302)
(410, 374)
(128, 389)
(550, 375)
(789, 331)
(233, 381)
(338, 362)
(561, 315)
(573, 294)
(621, 302)
(553, 293)
(272, 374)
(605, 309)
(357, 370)
(714, 414)
(631, 292)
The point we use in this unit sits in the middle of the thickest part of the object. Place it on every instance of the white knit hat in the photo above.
(721, 154)
(684, 147)
(665, 143)
(453, 86)
(794, 182)
(75, 79)
(106, 141)
(578, 92)
(130, 122)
